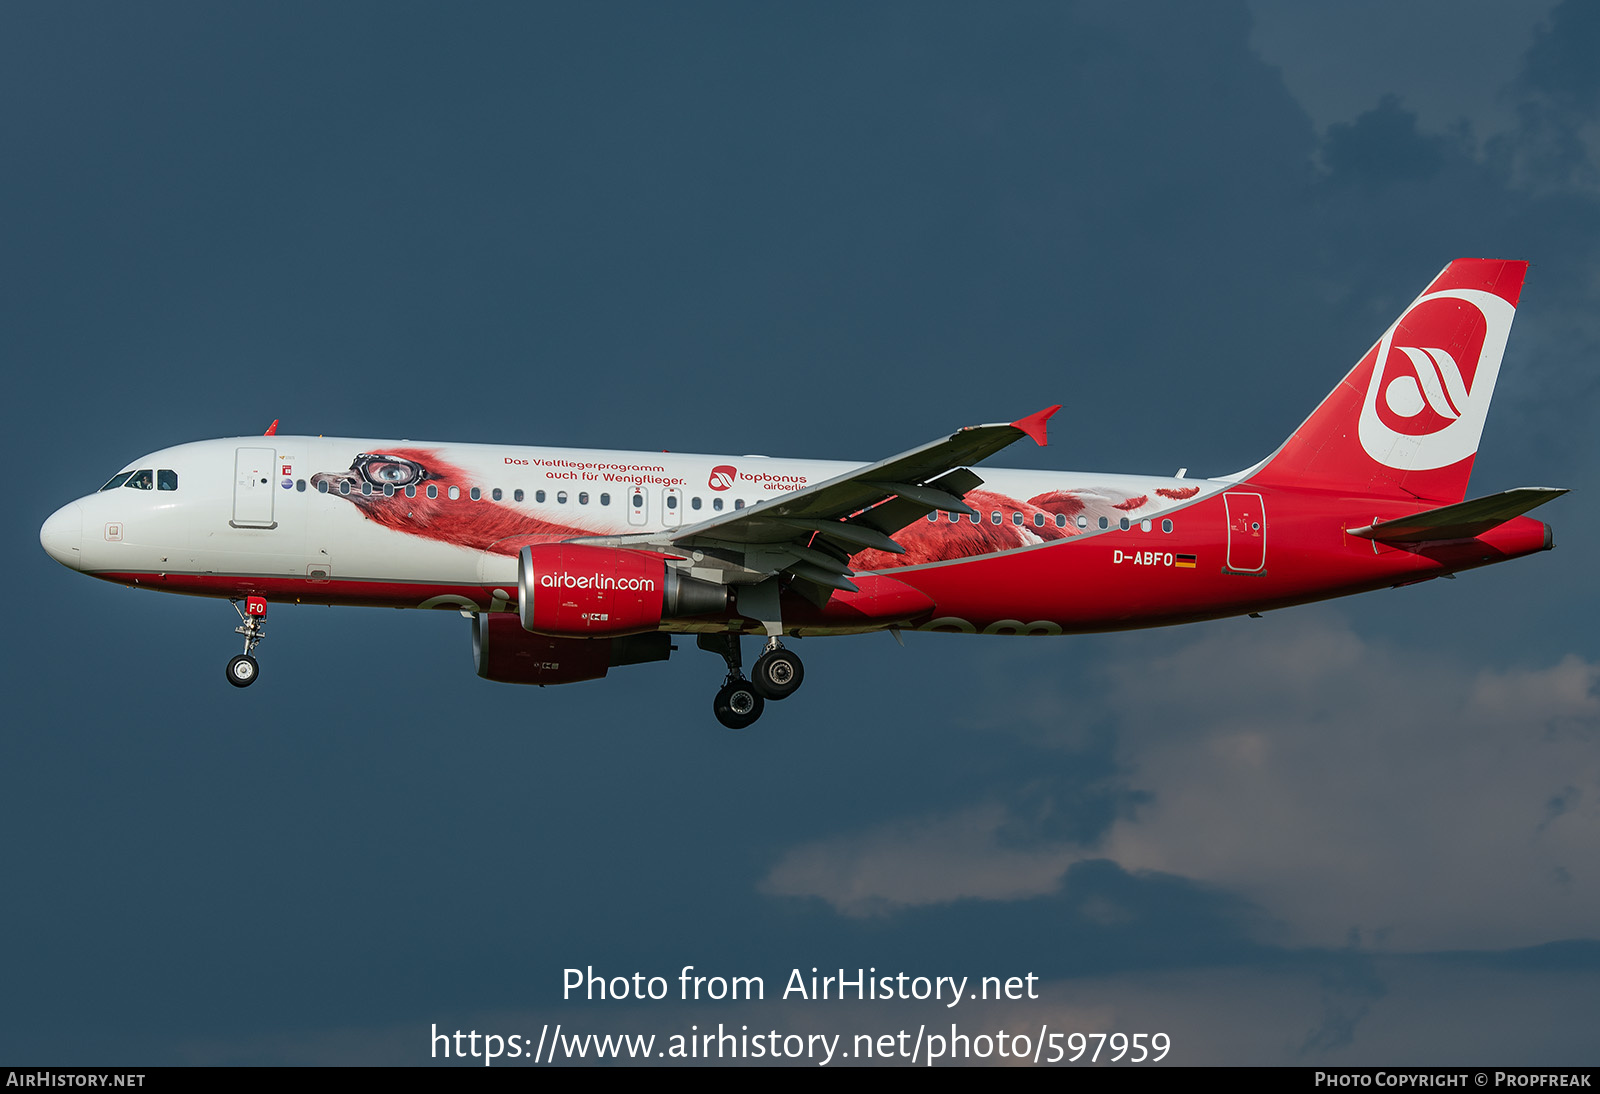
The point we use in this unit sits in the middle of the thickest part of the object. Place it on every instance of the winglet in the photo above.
(271, 429)
(1033, 425)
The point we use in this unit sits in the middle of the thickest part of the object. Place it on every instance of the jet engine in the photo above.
(570, 590)
(505, 652)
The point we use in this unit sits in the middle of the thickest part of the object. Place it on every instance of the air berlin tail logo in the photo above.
(1435, 383)
(1432, 380)
(722, 476)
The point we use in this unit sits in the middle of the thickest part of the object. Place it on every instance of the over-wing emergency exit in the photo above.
(572, 562)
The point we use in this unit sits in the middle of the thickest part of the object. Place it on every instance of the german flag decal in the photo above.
(1184, 562)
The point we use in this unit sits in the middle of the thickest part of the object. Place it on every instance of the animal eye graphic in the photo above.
(381, 470)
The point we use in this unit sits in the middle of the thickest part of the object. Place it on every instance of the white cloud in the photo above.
(929, 860)
(1351, 789)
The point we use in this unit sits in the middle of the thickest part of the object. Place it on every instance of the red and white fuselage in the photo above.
(572, 543)
(1050, 552)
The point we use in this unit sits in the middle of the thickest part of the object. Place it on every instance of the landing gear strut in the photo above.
(738, 704)
(243, 669)
(777, 673)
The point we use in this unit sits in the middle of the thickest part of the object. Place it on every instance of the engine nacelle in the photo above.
(570, 590)
(503, 651)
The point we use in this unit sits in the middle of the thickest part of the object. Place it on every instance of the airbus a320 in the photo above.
(572, 562)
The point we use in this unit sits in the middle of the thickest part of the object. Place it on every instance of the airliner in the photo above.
(571, 562)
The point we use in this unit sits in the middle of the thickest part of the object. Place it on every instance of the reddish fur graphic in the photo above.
(1178, 493)
(490, 526)
(482, 525)
(942, 540)
(1060, 501)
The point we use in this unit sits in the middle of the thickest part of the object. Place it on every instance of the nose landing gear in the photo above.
(243, 669)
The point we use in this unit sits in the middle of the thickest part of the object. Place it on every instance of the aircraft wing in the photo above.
(811, 533)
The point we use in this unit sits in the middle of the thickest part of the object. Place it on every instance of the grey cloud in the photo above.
(1349, 787)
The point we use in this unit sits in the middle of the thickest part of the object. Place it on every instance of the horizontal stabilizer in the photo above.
(1464, 520)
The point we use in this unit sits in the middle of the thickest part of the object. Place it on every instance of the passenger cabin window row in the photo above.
(540, 497)
(997, 517)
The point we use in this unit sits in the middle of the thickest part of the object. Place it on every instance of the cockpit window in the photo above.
(143, 479)
(116, 481)
(166, 480)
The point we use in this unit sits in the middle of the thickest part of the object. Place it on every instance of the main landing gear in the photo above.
(776, 675)
(243, 669)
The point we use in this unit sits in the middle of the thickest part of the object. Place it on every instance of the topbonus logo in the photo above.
(1425, 404)
(722, 476)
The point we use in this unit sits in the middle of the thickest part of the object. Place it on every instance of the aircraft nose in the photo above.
(62, 535)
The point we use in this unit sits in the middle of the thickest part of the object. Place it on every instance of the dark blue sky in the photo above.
(1361, 832)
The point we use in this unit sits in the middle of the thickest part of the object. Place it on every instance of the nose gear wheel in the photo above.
(243, 669)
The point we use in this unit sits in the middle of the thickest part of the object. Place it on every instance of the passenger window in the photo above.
(716, 503)
(366, 488)
(1038, 520)
(638, 501)
(1083, 521)
(1124, 524)
(411, 491)
(388, 489)
(694, 503)
(1144, 526)
(1102, 522)
(672, 501)
(561, 497)
(1166, 526)
(583, 499)
(344, 487)
(994, 517)
(322, 487)
(299, 486)
(539, 496)
(516, 495)
(476, 494)
(454, 493)
(496, 494)
(605, 499)
(933, 516)
(1061, 520)
(433, 491)
(738, 503)
(116, 481)
(141, 480)
(168, 480)
(955, 518)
